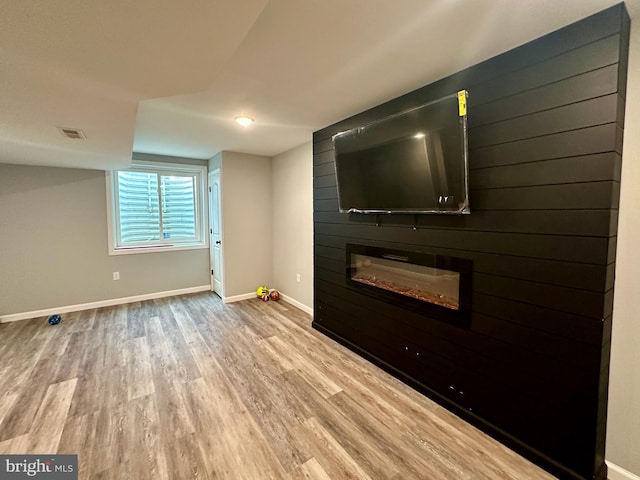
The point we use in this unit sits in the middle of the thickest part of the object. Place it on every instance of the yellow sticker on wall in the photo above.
(462, 102)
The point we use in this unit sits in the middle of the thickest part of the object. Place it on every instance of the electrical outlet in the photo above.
(116, 275)
(298, 277)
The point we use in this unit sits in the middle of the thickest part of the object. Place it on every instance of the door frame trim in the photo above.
(211, 244)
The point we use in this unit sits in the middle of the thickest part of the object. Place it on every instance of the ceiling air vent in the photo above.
(73, 133)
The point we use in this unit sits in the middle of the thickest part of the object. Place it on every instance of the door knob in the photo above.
(218, 242)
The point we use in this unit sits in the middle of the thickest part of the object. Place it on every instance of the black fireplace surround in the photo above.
(525, 356)
(435, 285)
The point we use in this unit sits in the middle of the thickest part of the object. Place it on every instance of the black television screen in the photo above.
(411, 162)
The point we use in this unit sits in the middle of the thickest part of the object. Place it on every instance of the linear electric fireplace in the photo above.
(435, 285)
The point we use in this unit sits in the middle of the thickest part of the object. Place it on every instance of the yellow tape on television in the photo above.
(462, 102)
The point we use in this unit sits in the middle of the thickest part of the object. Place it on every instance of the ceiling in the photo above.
(167, 77)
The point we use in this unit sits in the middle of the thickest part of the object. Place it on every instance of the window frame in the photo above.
(162, 245)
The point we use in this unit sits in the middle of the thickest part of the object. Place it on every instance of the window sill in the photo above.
(155, 249)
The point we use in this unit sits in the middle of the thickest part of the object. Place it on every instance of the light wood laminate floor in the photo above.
(190, 388)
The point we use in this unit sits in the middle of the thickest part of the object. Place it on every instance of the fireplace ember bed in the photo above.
(437, 286)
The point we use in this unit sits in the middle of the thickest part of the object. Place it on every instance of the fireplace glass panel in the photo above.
(428, 284)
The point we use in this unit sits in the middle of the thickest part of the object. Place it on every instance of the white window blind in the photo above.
(158, 206)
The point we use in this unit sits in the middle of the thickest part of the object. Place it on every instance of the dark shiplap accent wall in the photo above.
(545, 143)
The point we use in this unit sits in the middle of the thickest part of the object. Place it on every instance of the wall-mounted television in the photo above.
(414, 161)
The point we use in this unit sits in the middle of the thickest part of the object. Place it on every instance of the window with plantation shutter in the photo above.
(157, 206)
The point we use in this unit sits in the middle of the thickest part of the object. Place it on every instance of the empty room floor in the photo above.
(190, 388)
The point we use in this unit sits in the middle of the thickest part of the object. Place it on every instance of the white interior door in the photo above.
(215, 233)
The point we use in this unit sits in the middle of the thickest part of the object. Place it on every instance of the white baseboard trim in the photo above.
(239, 298)
(283, 297)
(297, 304)
(101, 303)
(618, 473)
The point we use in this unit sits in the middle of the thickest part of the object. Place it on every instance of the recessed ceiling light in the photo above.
(244, 120)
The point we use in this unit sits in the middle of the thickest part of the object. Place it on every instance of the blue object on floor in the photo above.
(55, 319)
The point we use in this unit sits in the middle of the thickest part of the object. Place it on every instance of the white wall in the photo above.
(292, 223)
(623, 427)
(215, 162)
(246, 216)
(53, 245)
